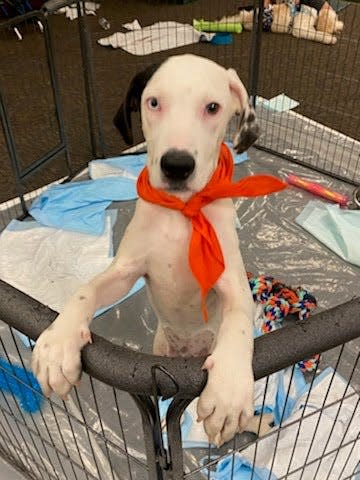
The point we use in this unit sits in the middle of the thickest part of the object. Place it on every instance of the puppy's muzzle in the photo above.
(177, 166)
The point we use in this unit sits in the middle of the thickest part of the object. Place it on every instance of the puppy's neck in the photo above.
(184, 196)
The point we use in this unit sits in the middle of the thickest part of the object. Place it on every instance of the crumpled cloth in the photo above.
(155, 38)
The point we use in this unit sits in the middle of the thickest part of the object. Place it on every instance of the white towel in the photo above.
(155, 38)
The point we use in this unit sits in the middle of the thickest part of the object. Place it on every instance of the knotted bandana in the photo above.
(205, 255)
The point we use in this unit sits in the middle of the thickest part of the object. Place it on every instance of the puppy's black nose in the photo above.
(177, 164)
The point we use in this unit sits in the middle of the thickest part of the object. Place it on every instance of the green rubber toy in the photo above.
(204, 26)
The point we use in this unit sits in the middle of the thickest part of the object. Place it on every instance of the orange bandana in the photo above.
(205, 256)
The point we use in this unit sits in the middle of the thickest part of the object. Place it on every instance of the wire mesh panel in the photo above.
(29, 106)
(65, 440)
(133, 35)
(37, 69)
(115, 424)
(321, 127)
(322, 131)
(310, 427)
(319, 439)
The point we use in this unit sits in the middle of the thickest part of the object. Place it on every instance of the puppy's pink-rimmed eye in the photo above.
(153, 103)
(212, 108)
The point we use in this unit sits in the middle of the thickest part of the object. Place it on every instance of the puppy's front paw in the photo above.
(56, 360)
(226, 403)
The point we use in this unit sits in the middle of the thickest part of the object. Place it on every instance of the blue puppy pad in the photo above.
(335, 227)
(237, 468)
(286, 400)
(27, 342)
(17, 381)
(80, 206)
(130, 164)
(282, 389)
(238, 157)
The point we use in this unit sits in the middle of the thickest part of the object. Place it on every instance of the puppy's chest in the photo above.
(170, 237)
(170, 241)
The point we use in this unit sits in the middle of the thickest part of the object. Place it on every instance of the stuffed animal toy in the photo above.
(281, 18)
(300, 24)
(328, 21)
(300, 21)
(245, 17)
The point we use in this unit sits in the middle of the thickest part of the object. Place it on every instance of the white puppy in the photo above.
(186, 104)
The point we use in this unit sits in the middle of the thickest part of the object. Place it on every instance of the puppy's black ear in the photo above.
(248, 130)
(122, 119)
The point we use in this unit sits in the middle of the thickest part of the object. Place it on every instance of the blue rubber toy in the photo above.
(21, 383)
(222, 38)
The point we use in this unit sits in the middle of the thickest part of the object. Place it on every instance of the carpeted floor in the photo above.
(324, 79)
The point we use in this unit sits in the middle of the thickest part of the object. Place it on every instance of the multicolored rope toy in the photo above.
(279, 300)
